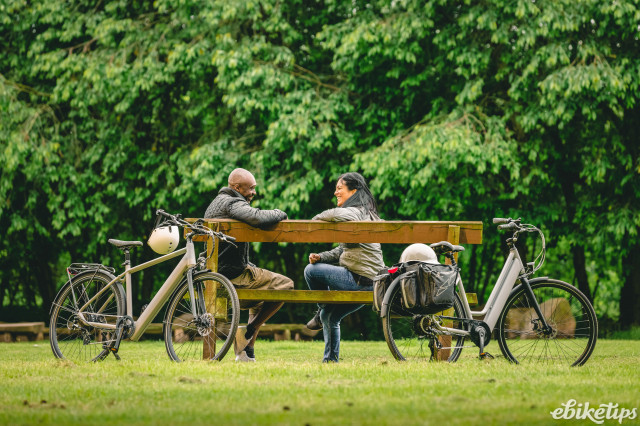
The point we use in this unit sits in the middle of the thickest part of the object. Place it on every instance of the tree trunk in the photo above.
(473, 270)
(630, 293)
(579, 265)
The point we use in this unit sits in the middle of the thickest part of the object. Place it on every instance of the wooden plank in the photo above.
(453, 237)
(443, 354)
(318, 296)
(316, 231)
(306, 296)
(22, 327)
(155, 328)
(210, 292)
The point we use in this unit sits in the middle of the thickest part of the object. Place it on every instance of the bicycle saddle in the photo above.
(125, 245)
(446, 246)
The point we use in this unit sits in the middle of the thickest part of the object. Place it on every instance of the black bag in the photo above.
(428, 288)
(381, 283)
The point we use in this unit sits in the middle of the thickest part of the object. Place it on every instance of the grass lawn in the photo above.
(289, 385)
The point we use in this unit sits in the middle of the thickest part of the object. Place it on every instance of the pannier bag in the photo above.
(381, 283)
(428, 288)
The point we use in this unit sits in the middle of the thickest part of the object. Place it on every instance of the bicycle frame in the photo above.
(188, 261)
(512, 270)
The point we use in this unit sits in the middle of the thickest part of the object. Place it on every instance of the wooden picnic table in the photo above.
(316, 231)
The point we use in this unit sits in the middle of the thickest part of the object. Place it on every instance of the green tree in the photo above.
(454, 110)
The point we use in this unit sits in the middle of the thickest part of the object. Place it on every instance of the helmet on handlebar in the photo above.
(421, 252)
(164, 239)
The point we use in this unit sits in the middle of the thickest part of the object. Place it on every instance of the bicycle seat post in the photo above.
(451, 256)
(127, 258)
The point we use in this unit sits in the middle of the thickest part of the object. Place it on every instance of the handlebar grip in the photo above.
(161, 212)
(500, 220)
(510, 225)
(230, 238)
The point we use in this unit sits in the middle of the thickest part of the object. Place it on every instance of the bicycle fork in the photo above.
(481, 331)
(541, 323)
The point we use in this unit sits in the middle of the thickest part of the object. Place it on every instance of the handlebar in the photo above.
(517, 227)
(197, 227)
(510, 225)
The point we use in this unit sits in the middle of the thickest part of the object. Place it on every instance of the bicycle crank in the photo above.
(481, 336)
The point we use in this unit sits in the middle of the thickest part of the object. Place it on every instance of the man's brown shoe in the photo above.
(315, 323)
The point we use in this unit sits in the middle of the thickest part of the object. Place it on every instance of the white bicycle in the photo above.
(89, 318)
(541, 319)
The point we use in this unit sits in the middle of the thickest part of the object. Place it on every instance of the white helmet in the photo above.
(421, 252)
(164, 240)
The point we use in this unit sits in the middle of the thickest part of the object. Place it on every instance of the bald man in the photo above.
(233, 202)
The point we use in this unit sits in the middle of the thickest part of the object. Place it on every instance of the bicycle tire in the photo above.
(68, 337)
(566, 309)
(189, 340)
(405, 332)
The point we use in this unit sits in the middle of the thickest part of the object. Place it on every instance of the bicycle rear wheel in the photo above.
(408, 336)
(574, 327)
(69, 337)
(209, 334)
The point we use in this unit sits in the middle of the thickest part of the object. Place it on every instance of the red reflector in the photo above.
(393, 270)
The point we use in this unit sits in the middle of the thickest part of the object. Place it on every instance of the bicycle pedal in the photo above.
(486, 355)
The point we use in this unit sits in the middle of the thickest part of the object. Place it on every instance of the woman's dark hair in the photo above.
(362, 197)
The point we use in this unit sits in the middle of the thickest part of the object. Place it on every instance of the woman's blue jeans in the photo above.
(322, 276)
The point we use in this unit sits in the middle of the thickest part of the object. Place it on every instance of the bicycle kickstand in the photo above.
(435, 346)
(114, 348)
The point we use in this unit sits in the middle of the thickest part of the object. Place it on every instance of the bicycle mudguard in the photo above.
(384, 310)
(111, 277)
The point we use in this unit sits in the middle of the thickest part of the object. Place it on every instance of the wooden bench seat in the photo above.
(317, 296)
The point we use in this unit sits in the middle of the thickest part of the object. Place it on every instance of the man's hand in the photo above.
(314, 257)
(284, 213)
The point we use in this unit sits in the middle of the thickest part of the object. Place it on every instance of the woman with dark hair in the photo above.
(346, 267)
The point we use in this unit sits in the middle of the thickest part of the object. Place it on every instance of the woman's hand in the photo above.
(314, 257)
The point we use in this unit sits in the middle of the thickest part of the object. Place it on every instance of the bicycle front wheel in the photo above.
(574, 327)
(69, 336)
(210, 332)
(409, 336)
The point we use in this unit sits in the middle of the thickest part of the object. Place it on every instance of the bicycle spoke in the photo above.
(408, 336)
(70, 338)
(189, 337)
(572, 322)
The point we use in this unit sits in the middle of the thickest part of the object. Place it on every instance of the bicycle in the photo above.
(541, 319)
(89, 318)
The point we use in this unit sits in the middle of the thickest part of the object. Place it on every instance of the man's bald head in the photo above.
(243, 181)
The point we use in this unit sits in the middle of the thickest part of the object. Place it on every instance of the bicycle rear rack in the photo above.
(77, 268)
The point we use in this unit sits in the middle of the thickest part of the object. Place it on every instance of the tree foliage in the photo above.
(454, 110)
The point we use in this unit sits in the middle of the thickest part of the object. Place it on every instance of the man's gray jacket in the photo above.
(230, 204)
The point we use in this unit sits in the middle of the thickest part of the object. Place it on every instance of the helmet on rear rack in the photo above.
(164, 239)
(420, 252)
